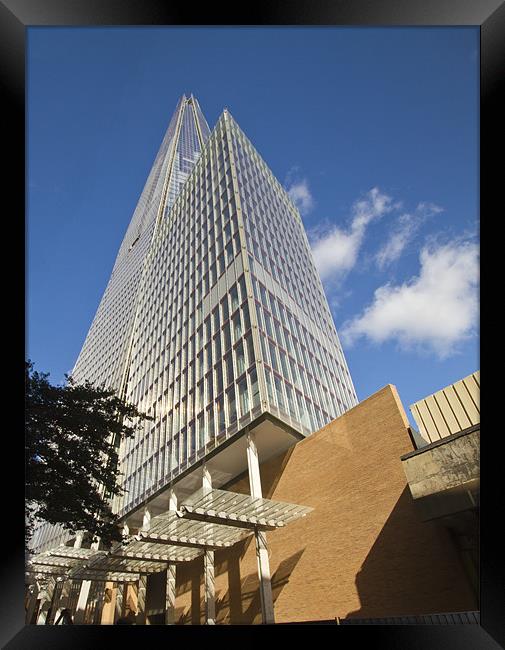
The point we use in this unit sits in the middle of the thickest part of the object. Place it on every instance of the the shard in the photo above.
(214, 320)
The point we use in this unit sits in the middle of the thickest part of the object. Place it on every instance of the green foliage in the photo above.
(72, 436)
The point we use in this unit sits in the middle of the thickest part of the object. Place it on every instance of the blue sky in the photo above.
(374, 132)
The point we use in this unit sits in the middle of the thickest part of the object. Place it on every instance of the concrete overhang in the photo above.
(225, 463)
(444, 477)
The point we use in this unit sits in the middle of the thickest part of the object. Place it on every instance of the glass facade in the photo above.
(104, 356)
(222, 316)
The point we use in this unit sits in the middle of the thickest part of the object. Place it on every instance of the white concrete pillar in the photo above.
(171, 574)
(142, 583)
(46, 596)
(208, 566)
(64, 594)
(172, 500)
(82, 601)
(146, 521)
(267, 604)
(32, 603)
(97, 614)
(118, 609)
(78, 539)
(84, 593)
(58, 586)
(141, 599)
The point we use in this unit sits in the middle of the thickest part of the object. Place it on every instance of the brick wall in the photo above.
(362, 552)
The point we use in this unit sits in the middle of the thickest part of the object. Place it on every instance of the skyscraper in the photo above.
(214, 320)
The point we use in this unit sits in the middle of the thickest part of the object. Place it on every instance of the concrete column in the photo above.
(141, 600)
(46, 595)
(142, 583)
(267, 605)
(32, 603)
(97, 614)
(208, 566)
(82, 601)
(78, 539)
(171, 574)
(119, 601)
(146, 521)
(55, 601)
(64, 595)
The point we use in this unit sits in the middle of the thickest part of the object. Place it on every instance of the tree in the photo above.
(71, 453)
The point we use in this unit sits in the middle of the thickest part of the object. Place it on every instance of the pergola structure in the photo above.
(208, 520)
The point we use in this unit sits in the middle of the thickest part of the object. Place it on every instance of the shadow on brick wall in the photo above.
(412, 568)
(241, 604)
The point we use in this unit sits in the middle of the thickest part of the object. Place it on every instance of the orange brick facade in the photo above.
(362, 552)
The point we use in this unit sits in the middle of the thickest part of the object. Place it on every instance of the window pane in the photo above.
(201, 431)
(234, 297)
(221, 423)
(228, 360)
(219, 378)
(279, 392)
(240, 358)
(273, 356)
(270, 387)
(237, 327)
(232, 407)
(255, 393)
(243, 396)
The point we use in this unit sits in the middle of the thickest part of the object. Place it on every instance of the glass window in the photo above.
(234, 297)
(200, 365)
(192, 438)
(224, 309)
(221, 422)
(264, 349)
(246, 318)
(215, 319)
(219, 378)
(268, 324)
(243, 396)
(228, 360)
(270, 387)
(250, 350)
(273, 356)
(210, 424)
(229, 253)
(280, 393)
(243, 292)
(263, 294)
(240, 358)
(226, 337)
(209, 388)
(217, 347)
(201, 431)
(237, 327)
(291, 400)
(255, 391)
(231, 405)
(284, 363)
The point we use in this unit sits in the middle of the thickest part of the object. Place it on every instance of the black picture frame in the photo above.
(15, 17)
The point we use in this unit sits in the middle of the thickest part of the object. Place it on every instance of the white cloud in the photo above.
(335, 252)
(299, 193)
(406, 227)
(433, 311)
